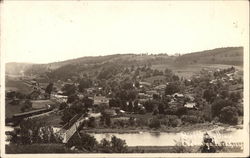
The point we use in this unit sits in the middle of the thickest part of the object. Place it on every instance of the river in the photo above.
(228, 135)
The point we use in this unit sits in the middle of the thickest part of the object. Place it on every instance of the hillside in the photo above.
(14, 68)
(227, 56)
(94, 65)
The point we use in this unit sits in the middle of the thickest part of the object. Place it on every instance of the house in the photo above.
(213, 81)
(152, 92)
(160, 87)
(110, 112)
(178, 95)
(34, 83)
(90, 90)
(190, 105)
(144, 96)
(60, 98)
(60, 92)
(144, 84)
(101, 100)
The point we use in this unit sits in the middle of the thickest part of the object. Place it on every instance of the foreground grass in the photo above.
(60, 148)
(37, 148)
(180, 149)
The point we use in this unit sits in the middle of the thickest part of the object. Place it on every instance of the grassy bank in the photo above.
(60, 148)
(36, 148)
(179, 149)
(183, 128)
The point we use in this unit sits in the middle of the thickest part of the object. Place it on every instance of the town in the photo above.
(120, 99)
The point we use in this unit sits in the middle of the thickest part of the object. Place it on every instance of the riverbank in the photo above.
(180, 149)
(60, 148)
(185, 128)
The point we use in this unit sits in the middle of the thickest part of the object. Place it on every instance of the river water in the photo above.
(229, 136)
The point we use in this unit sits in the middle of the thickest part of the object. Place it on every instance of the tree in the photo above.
(149, 105)
(209, 95)
(118, 145)
(68, 114)
(92, 122)
(224, 94)
(83, 141)
(155, 123)
(219, 104)
(172, 88)
(84, 83)
(87, 102)
(155, 111)
(27, 105)
(161, 108)
(181, 111)
(105, 146)
(74, 109)
(72, 98)
(235, 96)
(168, 72)
(105, 119)
(130, 106)
(69, 89)
(229, 115)
(175, 78)
(49, 89)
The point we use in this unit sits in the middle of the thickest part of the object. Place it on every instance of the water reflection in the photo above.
(169, 139)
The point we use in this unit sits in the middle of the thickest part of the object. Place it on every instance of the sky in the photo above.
(51, 31)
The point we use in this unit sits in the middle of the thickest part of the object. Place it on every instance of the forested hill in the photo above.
(227, 56)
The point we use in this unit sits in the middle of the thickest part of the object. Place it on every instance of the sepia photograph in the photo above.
(124, 78)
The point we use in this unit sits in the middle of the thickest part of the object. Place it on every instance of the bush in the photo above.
(219, 104)
(62, 106)
(170, 120)
(155, 123)
(83, 141)
(118, 145)
(105, 146)
(141, 122)
(27, 105)
(180, 148)
(229, 115)
(190, 119)
(92, 122)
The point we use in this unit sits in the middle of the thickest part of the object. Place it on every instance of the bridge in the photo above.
(69, 129)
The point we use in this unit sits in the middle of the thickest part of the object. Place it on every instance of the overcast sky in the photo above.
(42, 32)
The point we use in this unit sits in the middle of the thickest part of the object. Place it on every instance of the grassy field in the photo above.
(11, 109)
(37, 148)
(17, 85)
(38, 104)
(190, 69)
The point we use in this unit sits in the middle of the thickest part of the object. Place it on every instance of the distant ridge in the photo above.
(227, 55)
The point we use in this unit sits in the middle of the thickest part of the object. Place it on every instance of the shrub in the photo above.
(27, 105)
(118, 145)
(170, 120)
(229, 115)
(83, 141)
(141, 122)
(92, 122)
(190, 118)
(180, 148)
(155, 123)
(105, 146)
(219, 104)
